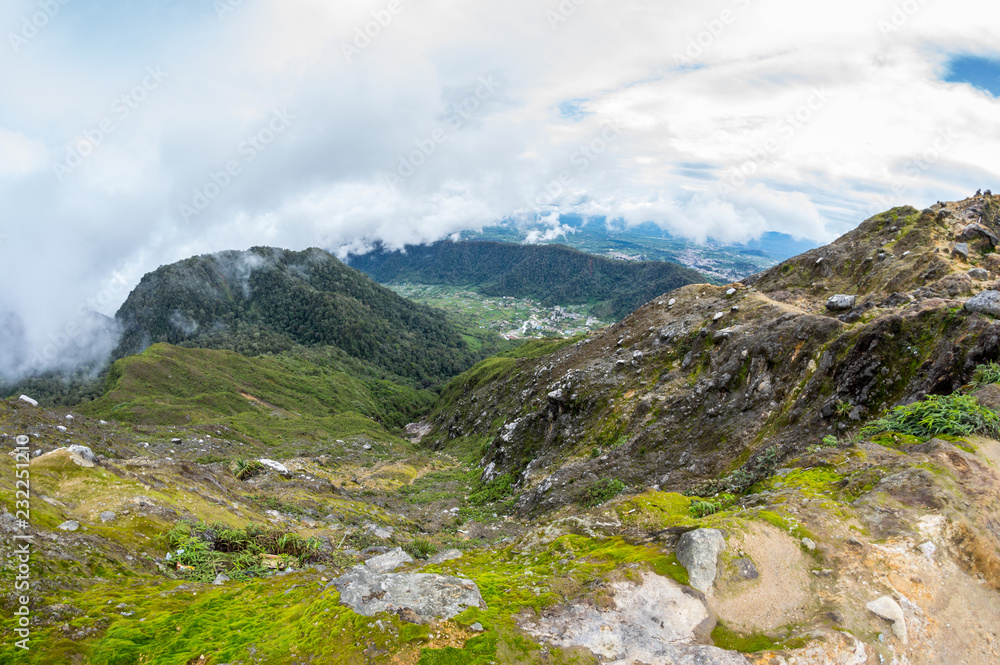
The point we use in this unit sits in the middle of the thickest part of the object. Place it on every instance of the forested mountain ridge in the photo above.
(552, 274)
(269, 300)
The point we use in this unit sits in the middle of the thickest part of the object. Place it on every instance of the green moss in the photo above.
(725, 637)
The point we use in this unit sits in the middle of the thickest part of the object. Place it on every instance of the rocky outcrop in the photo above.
(698, 551)
(416, 597)
(654, 621)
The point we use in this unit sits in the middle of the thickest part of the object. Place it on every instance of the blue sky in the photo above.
(978, 71)
(135, 134)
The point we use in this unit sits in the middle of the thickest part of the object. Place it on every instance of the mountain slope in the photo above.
(552, 274)
(709, 381)
(269, 300)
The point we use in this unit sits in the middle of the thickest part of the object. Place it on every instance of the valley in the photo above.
(799, 467)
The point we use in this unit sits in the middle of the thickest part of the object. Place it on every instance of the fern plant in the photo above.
(954, 415)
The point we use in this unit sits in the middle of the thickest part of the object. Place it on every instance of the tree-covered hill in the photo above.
(268, 300)
(552, 274)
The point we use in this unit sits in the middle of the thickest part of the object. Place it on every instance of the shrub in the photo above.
(955, 415)
(420, 549)
(601, 491)
(497, 489)
(244, 469)
(985, 374)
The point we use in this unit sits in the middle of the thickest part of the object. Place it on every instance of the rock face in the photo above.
(652, 622)
(987, 301)
(841, 302)
(889, 609)
(699, 551)
(417, 597)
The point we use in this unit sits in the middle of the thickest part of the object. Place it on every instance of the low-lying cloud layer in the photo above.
(135, 136)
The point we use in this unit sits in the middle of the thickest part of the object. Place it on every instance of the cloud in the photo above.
(725, 119)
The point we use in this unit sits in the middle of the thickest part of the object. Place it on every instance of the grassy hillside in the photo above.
(269, 398)
(551, 274)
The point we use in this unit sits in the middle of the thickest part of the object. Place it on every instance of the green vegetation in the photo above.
(244, 470)
(986, 374)
(269, 300)
(270, 398)
(601, 491)
(955, 414)
(550, 274)
(710, 506)
(725, 637)
(496, 490)
(202, 551)
(758, 468)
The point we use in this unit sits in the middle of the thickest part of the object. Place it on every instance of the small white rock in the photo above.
(25, 398)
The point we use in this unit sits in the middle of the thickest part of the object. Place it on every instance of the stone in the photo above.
(83, 453)
(108, 516)
(841, 302)
(477, 627)
(28, 400)
(718, 315)
(809, 544)
(888, 609)
(309, 522)
(367, 446)
(386, 563)
(275, 466)
(698, 551)
(746, 569)
(988, 395)
(974, 231)
(176, 440)
(69, 417)
(61, 428)
(221, 579)
(69, 525)
(655, 621)
(979, 274)
(986, 301)
(961, 249)
(381, 532)
(446, 555)
(416, 597)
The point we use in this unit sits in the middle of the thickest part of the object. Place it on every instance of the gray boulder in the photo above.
(84, 453)
(979, 274)
(889, 609)
(386, 563)
(108, 516)
(698, 551)
(416, 597)
(746, 569)
(961, 249)
(69, 525)
(221, 579)
(275, 466)
(28, 400)
(447, 555)
(987, 301)
(841, 302)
